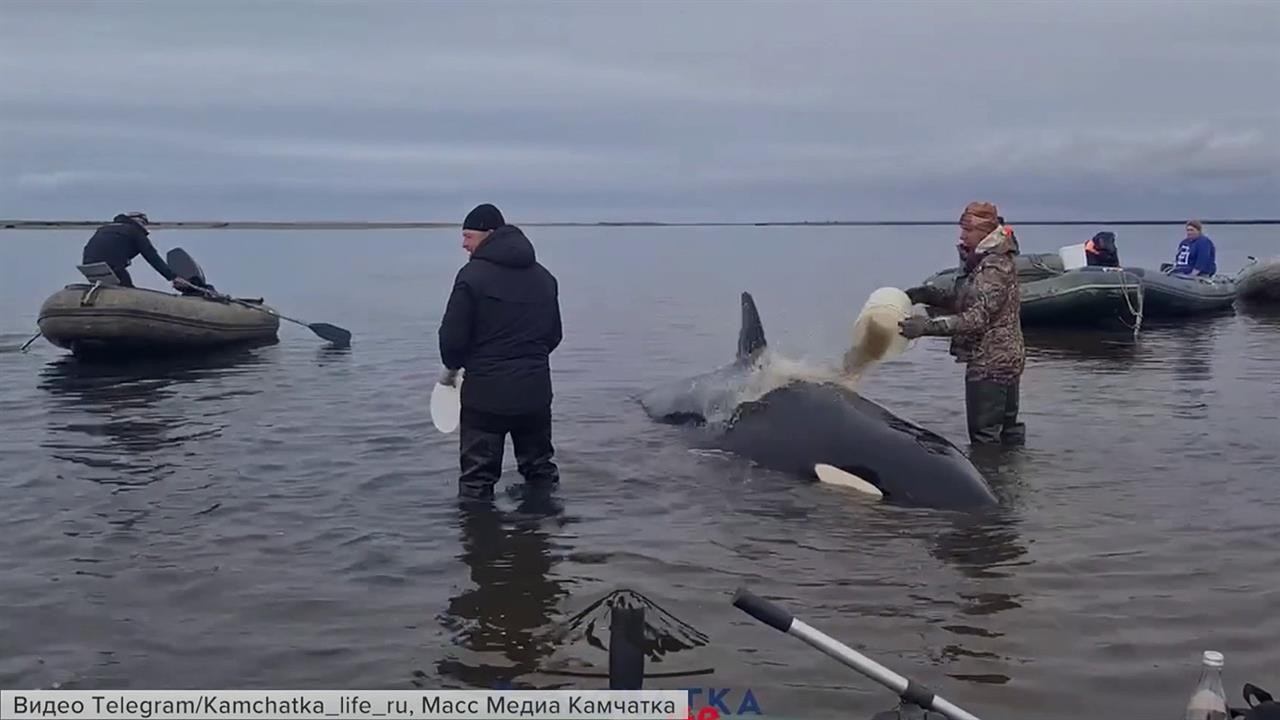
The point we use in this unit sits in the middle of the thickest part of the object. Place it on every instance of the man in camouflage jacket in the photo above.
(984, 322)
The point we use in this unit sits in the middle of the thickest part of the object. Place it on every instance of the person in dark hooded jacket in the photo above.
(120, 241)
(500, 326)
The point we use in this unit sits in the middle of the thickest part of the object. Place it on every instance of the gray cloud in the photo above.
(659, 110)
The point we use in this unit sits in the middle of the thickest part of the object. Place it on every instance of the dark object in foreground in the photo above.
(626, 658)
(915, 697)
(1261, 705)
(638, 631)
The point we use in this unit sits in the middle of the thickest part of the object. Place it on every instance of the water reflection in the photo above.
(511, 606)
(331, 355)
(114, 416)
(13, 342)
(1113, 350)
(985, 547)
(1263, 316)
(1191, 344)
(1003, 467)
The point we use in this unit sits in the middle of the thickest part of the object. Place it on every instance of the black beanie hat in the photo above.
(483, 217)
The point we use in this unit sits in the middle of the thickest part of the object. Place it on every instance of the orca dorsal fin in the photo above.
(751, 335)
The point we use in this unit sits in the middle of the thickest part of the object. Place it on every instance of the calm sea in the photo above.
(284, 517)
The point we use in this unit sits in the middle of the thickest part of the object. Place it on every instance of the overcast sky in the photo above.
(585, 110)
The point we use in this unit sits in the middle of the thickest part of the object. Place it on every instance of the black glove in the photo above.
(917, 294)
(914, 326)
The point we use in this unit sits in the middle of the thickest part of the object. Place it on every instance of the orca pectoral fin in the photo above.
(831, 475)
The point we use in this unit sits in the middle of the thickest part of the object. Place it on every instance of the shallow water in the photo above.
(284, 517)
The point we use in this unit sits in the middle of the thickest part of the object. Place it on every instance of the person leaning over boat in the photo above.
(500, 325)
(984, 323)
(117, 243)
(1196, 254)
(1100, 250)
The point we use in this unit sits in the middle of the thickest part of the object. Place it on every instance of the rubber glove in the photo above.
(914, 326)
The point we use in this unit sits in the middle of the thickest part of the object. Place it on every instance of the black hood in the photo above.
(129, 222)
(506, 246)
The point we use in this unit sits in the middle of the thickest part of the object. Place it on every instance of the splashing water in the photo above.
(770, 372)
(871, 340)
(869, 348)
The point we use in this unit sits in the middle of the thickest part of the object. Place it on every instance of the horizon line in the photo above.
(414, 224)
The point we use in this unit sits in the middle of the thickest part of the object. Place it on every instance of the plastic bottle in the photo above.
(1209, 702)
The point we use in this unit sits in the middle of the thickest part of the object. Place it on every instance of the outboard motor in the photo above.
(188, 269)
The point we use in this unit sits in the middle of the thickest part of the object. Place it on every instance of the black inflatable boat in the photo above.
(1084, 297)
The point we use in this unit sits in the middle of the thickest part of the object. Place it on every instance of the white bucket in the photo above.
(1073, 256)
(876, 335)
(446, 406)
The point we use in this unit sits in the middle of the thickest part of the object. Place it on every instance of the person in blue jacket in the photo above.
(1196, 255)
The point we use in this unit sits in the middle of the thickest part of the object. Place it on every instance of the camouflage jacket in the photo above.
(985, 314)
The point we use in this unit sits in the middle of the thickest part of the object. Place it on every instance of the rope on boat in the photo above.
(1140, 293)
(1135, 312)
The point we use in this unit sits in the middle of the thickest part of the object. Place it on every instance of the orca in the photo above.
(817, 427)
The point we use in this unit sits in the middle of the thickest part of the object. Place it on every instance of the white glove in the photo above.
(448, 377)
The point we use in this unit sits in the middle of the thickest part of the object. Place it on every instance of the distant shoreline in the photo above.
(357, 225)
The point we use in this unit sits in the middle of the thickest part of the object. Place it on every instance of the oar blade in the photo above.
(332, 333)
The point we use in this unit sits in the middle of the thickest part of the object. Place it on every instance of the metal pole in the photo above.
(907, 689)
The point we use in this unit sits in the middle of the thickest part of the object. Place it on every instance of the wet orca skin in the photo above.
(802, 424)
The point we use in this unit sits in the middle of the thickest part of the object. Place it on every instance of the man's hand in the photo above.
(448, 377)
(180, 284)
(914, 326)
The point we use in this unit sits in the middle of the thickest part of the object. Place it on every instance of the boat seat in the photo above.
(1073, 257)
(99, 273)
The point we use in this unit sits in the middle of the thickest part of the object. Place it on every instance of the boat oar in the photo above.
(27, 344)
(907, 689)
(332, 333)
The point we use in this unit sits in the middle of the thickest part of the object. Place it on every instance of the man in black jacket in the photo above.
(120, 241)
(501, 324)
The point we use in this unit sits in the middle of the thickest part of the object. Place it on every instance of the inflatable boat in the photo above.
(1087, 296)
(94, 319)
(1259, 281)
(1171, 296)
(1038, 266)
(1083, 297)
